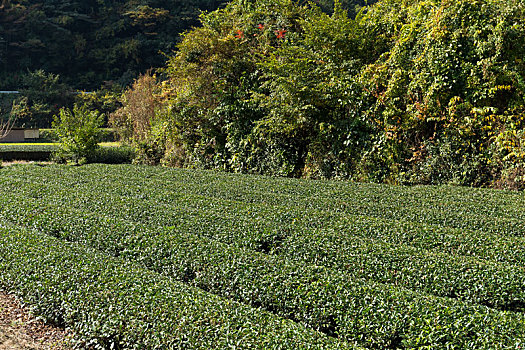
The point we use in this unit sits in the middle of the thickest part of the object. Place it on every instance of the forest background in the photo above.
(401, 91)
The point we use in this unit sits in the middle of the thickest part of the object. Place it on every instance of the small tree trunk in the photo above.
(6, 127)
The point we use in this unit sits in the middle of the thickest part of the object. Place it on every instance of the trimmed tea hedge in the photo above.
(26, 152)
(105, 155)
(357, 277)
(113, 304)
(466, 242)
(480, 209)
(329, 301)
(113, 155)
(472, 209)
(478, 282)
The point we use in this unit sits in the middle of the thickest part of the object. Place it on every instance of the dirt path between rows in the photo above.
(20, 331)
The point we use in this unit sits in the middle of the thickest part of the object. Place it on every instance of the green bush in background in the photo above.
(448, 90)
(103, 135)
(413, 92)
(77, 133)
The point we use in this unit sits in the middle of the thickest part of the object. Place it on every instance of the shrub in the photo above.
(48, 135)
(133, 120)
(77, 132)
(112, 155)
(449, 82)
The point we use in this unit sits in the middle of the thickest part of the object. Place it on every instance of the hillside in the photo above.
(88, 42)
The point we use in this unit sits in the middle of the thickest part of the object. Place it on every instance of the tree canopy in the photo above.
(88, 42)
(50, 49)
(413, 91)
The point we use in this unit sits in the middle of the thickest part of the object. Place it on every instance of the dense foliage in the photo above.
(77, 133)
(420, 91)
(316, 253)
(449, 92)
(89, 42)
(50, 49)
(114, 304)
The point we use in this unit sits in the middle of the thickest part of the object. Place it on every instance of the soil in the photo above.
(21, 331)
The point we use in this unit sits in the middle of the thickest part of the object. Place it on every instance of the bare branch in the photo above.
(7, 126)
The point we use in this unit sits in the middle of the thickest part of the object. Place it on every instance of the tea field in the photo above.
(133, 257)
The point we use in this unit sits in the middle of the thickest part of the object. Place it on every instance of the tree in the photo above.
(7, 126)
(77, 133)
(88, 42)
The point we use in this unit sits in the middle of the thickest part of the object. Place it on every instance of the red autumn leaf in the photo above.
(280, 33)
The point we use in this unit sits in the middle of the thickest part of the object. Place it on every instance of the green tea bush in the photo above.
(300, 249)
(26, 152)
(106, 155)
(330, 301)
(485, 211)
(113, 304)
(418, 269)
(112, 155)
